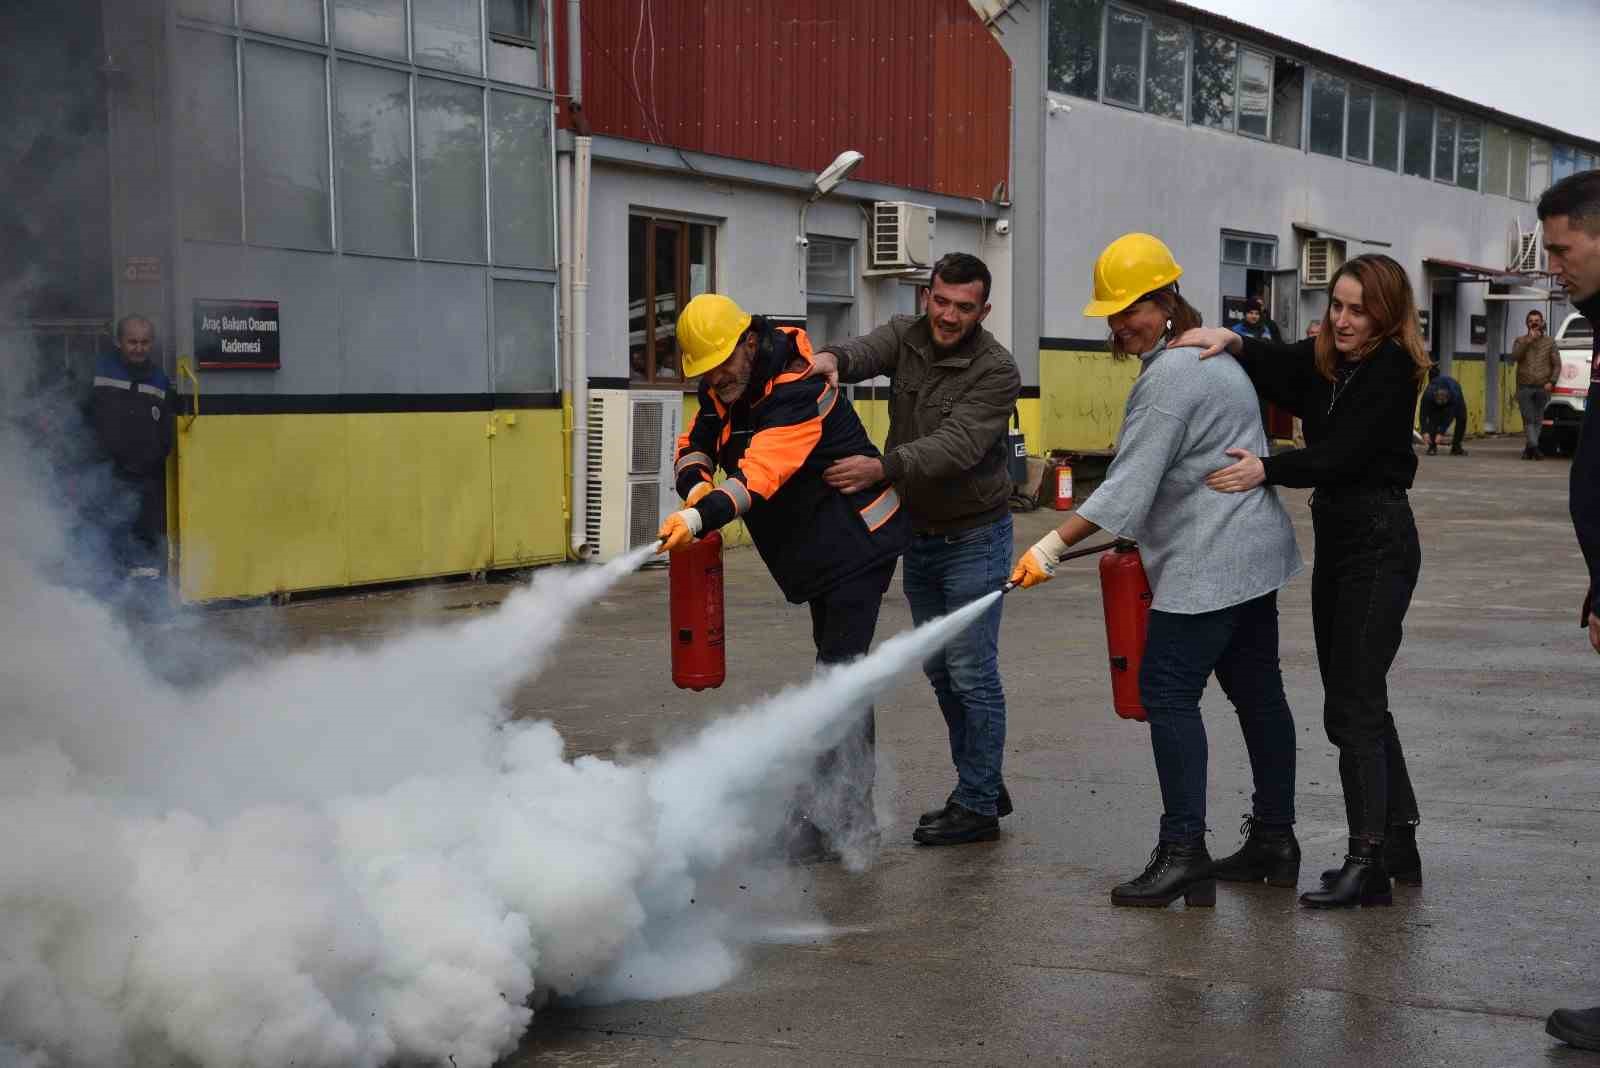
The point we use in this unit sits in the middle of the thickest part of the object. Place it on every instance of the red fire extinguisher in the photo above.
(1063, 496)
(694, 578)
(1126, 592)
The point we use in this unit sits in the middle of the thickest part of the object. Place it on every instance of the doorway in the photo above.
(1442, 326)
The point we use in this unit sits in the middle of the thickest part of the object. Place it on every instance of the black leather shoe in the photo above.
(1002, 807)
(1433, 450)
(956, 826)
(1575, 1027)
(1175, 869)
(1457, 450)
(1270, 852)
(1400, 857)
(1362, 881)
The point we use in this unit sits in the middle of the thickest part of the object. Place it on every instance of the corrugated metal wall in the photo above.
(918, 86)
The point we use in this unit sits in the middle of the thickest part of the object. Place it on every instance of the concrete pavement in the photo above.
(1011, 951)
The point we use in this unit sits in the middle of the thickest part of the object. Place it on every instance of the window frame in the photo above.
(1238, 78)
(1350, 88)
(1312, 74)
(1455, 143)
(332, 54)
(1105, 68)
(654, 221)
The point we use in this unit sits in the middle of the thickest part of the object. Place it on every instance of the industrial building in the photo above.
(415, 264)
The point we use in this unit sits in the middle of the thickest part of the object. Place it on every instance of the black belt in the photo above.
(1336, 494)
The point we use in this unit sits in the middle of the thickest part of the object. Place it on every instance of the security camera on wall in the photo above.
(1002, 227)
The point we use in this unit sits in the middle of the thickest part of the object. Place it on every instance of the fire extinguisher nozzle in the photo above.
(1007, 588)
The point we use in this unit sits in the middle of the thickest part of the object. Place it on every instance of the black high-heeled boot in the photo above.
(1175, 869)
(1362, 881)
(1400, 857)
(1270, 852)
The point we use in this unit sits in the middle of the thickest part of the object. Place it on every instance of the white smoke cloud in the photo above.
(351, 857)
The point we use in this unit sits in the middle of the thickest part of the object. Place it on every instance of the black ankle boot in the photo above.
(1270, 852)
(1400, 857)
(1002, 807)
(1362, 881)
(1175, 868)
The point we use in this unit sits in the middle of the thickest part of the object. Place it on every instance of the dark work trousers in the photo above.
(1240, 645)
(1436, 421)
(842, 624)
(1367, 562)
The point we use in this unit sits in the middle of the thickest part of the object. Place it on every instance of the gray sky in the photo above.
(1537, 59)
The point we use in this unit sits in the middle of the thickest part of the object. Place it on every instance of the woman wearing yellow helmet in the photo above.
(1215, 564)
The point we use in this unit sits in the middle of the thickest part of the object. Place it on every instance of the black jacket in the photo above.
(131, 409)
(774, 444)
(1583, 495)
(1361, 439)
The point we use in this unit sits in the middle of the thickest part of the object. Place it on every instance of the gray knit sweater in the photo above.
(1202, 550)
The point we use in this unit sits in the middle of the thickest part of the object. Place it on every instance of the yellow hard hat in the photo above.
(708, 329)
(1130, 267)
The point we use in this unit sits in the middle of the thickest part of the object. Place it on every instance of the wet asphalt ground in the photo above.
(1011, 951)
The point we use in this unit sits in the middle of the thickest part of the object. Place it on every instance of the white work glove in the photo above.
(1038, 564)
(680, 529)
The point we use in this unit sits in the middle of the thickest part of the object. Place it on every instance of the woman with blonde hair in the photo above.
(1215, 565)
(1355, 388)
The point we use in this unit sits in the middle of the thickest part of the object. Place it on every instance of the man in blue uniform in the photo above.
(131, 410)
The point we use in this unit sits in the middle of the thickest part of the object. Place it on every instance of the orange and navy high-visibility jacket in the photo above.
(774, 444)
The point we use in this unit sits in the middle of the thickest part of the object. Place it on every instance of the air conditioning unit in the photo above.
(1523, 249)
(633, 435)
(1320, 257)
(902, 235)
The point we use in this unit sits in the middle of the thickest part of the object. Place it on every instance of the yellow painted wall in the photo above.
(276, 503)
(1082, 396)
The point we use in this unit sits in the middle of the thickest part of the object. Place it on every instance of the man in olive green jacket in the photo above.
(953, 390)
(1538, 369)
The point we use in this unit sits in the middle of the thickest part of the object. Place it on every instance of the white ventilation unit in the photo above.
(1319, 258)
(1524, 248)
(632, 437)
(902, 235)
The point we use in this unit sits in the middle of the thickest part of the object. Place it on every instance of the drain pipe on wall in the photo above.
(578, 284)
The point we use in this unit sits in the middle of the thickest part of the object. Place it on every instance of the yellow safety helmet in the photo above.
(1130, 267)
(708, 329)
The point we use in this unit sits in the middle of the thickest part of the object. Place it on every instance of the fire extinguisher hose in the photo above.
(1076, 554)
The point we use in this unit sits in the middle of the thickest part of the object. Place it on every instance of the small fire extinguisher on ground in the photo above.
(1063, 498)
(694, 580)
(1125, 591)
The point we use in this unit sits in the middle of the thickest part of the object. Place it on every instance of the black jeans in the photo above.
(843, 620)
(1239, 644)
(1367, 562)
(1436, 421)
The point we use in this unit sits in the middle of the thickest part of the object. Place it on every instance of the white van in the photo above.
(1563, 416)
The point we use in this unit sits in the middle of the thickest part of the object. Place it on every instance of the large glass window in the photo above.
(1538, 168)
(1444, 148)
(515, 30)
(1165, 67)
(1124, 57)
(1327, 114)
(300, 19)
(524, 338)
(669, 263)
(446, 34)
(1563, 163)
(208, 170)
(1517, 166)
(1288, 101)
(1469, 151)
(374, 26)
(1358, 124)
(1074, 60)
(519, 173)
(1419, 139)
(1386, 111)
(1255, 92)
(830, 289)
(1211, 91)
(1496, 158)
(374, 160)
(450, 207)
(286, 193)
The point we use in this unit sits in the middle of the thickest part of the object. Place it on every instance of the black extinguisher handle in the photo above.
(1076, 554)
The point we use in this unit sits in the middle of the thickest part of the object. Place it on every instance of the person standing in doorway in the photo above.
(1538, 369)
(953, 389)
(1255, 322)
(1356, 388)
(1570, 212)
(131, 408)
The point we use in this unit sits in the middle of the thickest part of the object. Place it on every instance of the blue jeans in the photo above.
(942, 573)
(1239, 644)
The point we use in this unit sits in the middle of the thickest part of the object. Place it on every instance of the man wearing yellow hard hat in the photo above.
(774, 429)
